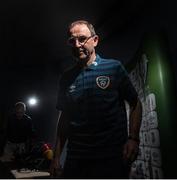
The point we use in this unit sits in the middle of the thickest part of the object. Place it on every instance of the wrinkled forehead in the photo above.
(79, 29)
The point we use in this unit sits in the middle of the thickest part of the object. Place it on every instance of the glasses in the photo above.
(81, 39)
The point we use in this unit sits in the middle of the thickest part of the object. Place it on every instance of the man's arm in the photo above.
(132, 145)
(60, 142)
(61, 134)
(135, 120)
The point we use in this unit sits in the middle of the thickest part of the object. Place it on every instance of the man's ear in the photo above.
(96, 39)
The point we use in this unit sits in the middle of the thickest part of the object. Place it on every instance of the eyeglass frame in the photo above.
(76, 38)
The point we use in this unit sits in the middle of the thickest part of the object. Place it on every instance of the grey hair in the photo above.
(89, 25)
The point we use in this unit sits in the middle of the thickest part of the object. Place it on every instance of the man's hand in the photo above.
(130, 150)
(55, 168)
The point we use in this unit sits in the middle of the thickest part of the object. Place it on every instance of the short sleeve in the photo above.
(127, 89)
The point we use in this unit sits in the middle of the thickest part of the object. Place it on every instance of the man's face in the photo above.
(82, 43)
(20, 111)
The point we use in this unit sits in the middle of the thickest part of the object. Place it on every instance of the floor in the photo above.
(5, 169)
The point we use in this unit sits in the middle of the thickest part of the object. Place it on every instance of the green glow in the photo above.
(160, 75)
(160, 80)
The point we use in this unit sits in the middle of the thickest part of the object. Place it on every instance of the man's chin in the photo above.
(82, 57)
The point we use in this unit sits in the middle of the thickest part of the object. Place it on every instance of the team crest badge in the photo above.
(103, 81)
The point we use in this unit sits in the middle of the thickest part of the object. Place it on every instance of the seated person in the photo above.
(19, 133)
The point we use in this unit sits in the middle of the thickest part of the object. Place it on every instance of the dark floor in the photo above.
(5, 171)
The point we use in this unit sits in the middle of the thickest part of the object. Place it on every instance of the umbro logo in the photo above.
(72, 88)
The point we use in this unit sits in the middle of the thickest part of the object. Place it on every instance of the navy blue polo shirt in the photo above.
(93, 99)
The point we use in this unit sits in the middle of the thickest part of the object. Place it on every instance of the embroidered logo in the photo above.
(103, 81)
(72, 88)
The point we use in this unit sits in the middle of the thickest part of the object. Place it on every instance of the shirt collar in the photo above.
(94, 63)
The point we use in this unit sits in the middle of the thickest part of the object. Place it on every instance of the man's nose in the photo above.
(77, 43)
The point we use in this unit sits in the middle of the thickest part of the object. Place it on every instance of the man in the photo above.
(92, 114)
(19, 133)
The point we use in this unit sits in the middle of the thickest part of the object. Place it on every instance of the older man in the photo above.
(92, 114)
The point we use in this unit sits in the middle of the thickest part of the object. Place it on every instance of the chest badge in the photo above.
(103, 81)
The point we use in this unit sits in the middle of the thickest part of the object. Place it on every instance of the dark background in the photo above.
(34, 50)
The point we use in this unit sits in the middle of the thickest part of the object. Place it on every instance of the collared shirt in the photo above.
(93, 99)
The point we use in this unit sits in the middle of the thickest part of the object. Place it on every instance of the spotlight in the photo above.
(32, 101)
